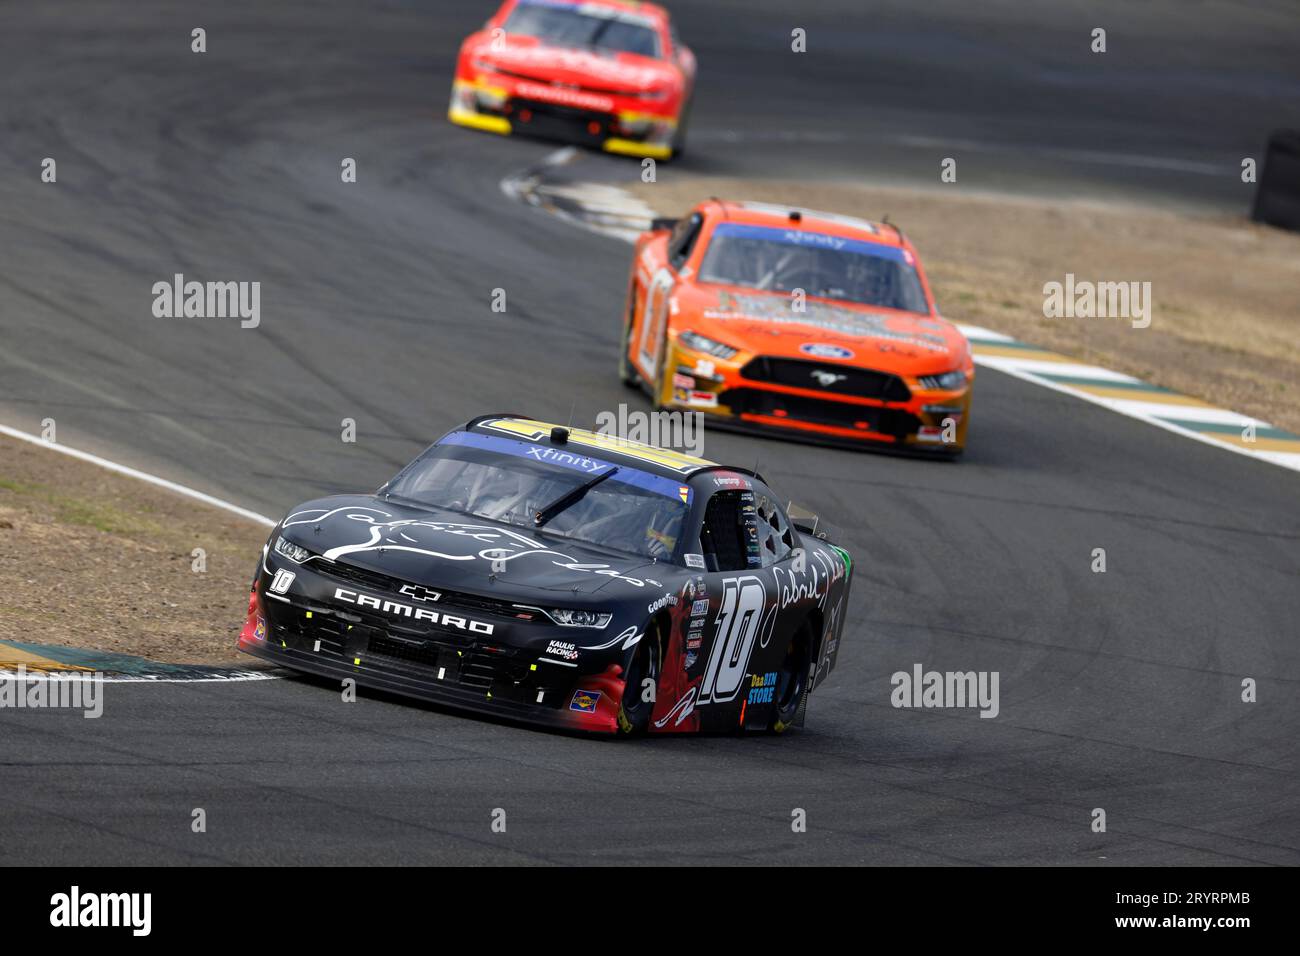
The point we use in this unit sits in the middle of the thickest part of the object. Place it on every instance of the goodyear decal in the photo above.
(1135, 398)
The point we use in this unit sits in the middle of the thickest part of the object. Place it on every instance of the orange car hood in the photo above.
(765, 323)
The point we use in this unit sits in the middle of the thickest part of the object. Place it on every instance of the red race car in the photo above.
(610, 74)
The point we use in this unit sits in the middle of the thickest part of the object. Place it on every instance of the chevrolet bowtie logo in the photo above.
(827, 379)
(417, 593)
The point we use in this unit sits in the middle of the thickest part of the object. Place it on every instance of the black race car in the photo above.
(560, 576)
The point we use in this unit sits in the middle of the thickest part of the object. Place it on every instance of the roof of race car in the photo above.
(651, 11)
(658, 461)
(811, 220)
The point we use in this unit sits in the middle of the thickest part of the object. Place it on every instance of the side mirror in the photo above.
(805, 522)
(659, 225)
(805, 527)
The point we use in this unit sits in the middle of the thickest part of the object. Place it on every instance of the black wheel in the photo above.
(634, 711)
(792, 680)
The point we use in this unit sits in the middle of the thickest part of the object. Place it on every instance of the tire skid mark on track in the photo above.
(600, 802)
(596, 207)
(611, 211)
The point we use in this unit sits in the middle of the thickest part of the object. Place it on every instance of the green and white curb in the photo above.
(1181, 414)
(33, 662)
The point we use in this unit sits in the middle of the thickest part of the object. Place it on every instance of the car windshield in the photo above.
(831, 267)
(582, 25)
(510, 481)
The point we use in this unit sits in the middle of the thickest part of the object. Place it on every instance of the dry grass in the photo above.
(1225, 322)
(96, 560)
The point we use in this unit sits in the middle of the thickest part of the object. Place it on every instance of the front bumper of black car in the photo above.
(508, 672)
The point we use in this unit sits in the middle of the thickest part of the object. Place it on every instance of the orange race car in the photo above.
(794, 322)
(610, 74)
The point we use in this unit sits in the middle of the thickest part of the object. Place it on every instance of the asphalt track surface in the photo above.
(1118, 690)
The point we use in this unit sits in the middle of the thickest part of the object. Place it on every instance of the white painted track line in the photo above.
(141, 475)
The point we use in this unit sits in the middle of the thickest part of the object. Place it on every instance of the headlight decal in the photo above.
(568, 617)
(287, 549)
(945, 382)
(702, 343)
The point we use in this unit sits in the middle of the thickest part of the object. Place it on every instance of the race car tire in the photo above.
(627, 373)
(634, 711)
(792, 681)
(1277, 196)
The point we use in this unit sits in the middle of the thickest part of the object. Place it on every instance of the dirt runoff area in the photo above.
(1225, 293)
(96, 560)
